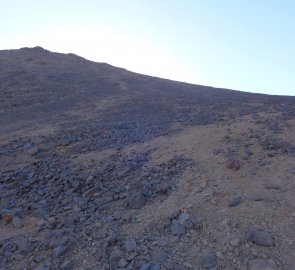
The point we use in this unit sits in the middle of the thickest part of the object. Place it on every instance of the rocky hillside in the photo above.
(102, 168)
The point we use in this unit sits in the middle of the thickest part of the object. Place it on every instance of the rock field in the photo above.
(102, 168)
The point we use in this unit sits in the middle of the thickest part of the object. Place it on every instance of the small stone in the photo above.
(291, 171)
(235, 201)
(136, 201)
(159, 257)
(235, 242)
(260, 237)
(89, 179)
(203, 184)
(91, 192)
(131, 257)
(59, 251)
(219, 255)
(17, 222)
(52, 221)
(7, 217)
(66, 265)
(33, 151)
(26, 245)
(163, 188)
(272, 184)
(261, 264)
(162, 242)
(150, 266)
(248, 152)
(117, 215)
(130, 245)
(183, 217)
(177, 229)
(188, 224)
(122, 263)
(115, 258)
(188, 265)
(233, 164)
(185, 220)
(217, 151)
(208, 261)
(43, 267)
(38, 259)
(19, 257)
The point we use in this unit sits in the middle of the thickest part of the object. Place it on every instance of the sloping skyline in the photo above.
(241, 45)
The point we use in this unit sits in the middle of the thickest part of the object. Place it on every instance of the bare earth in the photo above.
(101, 168)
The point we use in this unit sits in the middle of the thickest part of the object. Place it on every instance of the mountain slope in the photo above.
(36, 82)
(102, 168)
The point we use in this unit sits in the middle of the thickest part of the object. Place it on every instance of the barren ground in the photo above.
(101, 168)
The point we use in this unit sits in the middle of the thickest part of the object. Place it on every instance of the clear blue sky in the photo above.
(247, 45)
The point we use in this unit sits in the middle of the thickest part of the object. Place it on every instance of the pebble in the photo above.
(33, 151)
(159, 257)
(272, 184)
(130, 245)
(7, 217)
(122, 263)
(208, 261)
(261, 264)
(136, 201)
(17, 222)
(184, 219)
(91, 192)
(260, 237)
(220, 255)
(235, 242)
(26, 245)
(235, 201)
(43, 267)
(233, 164)
(66, 265)
(150, 266)
(116, 257)
(188, 265)
(59, 251)
(177, 229)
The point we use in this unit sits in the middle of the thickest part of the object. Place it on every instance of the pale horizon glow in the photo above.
(241, 45)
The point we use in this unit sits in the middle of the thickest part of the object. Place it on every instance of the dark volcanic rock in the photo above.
(177, 229)
(115, 258)
(150, 266)
(233, 164)
(136, 201)
(59, 251)
(17, 222)
(261, 264)
(130, 245)
(260, 237)
(26, 245)
(235, 201)
(208, 261)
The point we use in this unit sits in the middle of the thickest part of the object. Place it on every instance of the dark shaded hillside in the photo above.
(36, 77)
(38, 84)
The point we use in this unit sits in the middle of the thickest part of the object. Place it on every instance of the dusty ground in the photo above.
(117, 170)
